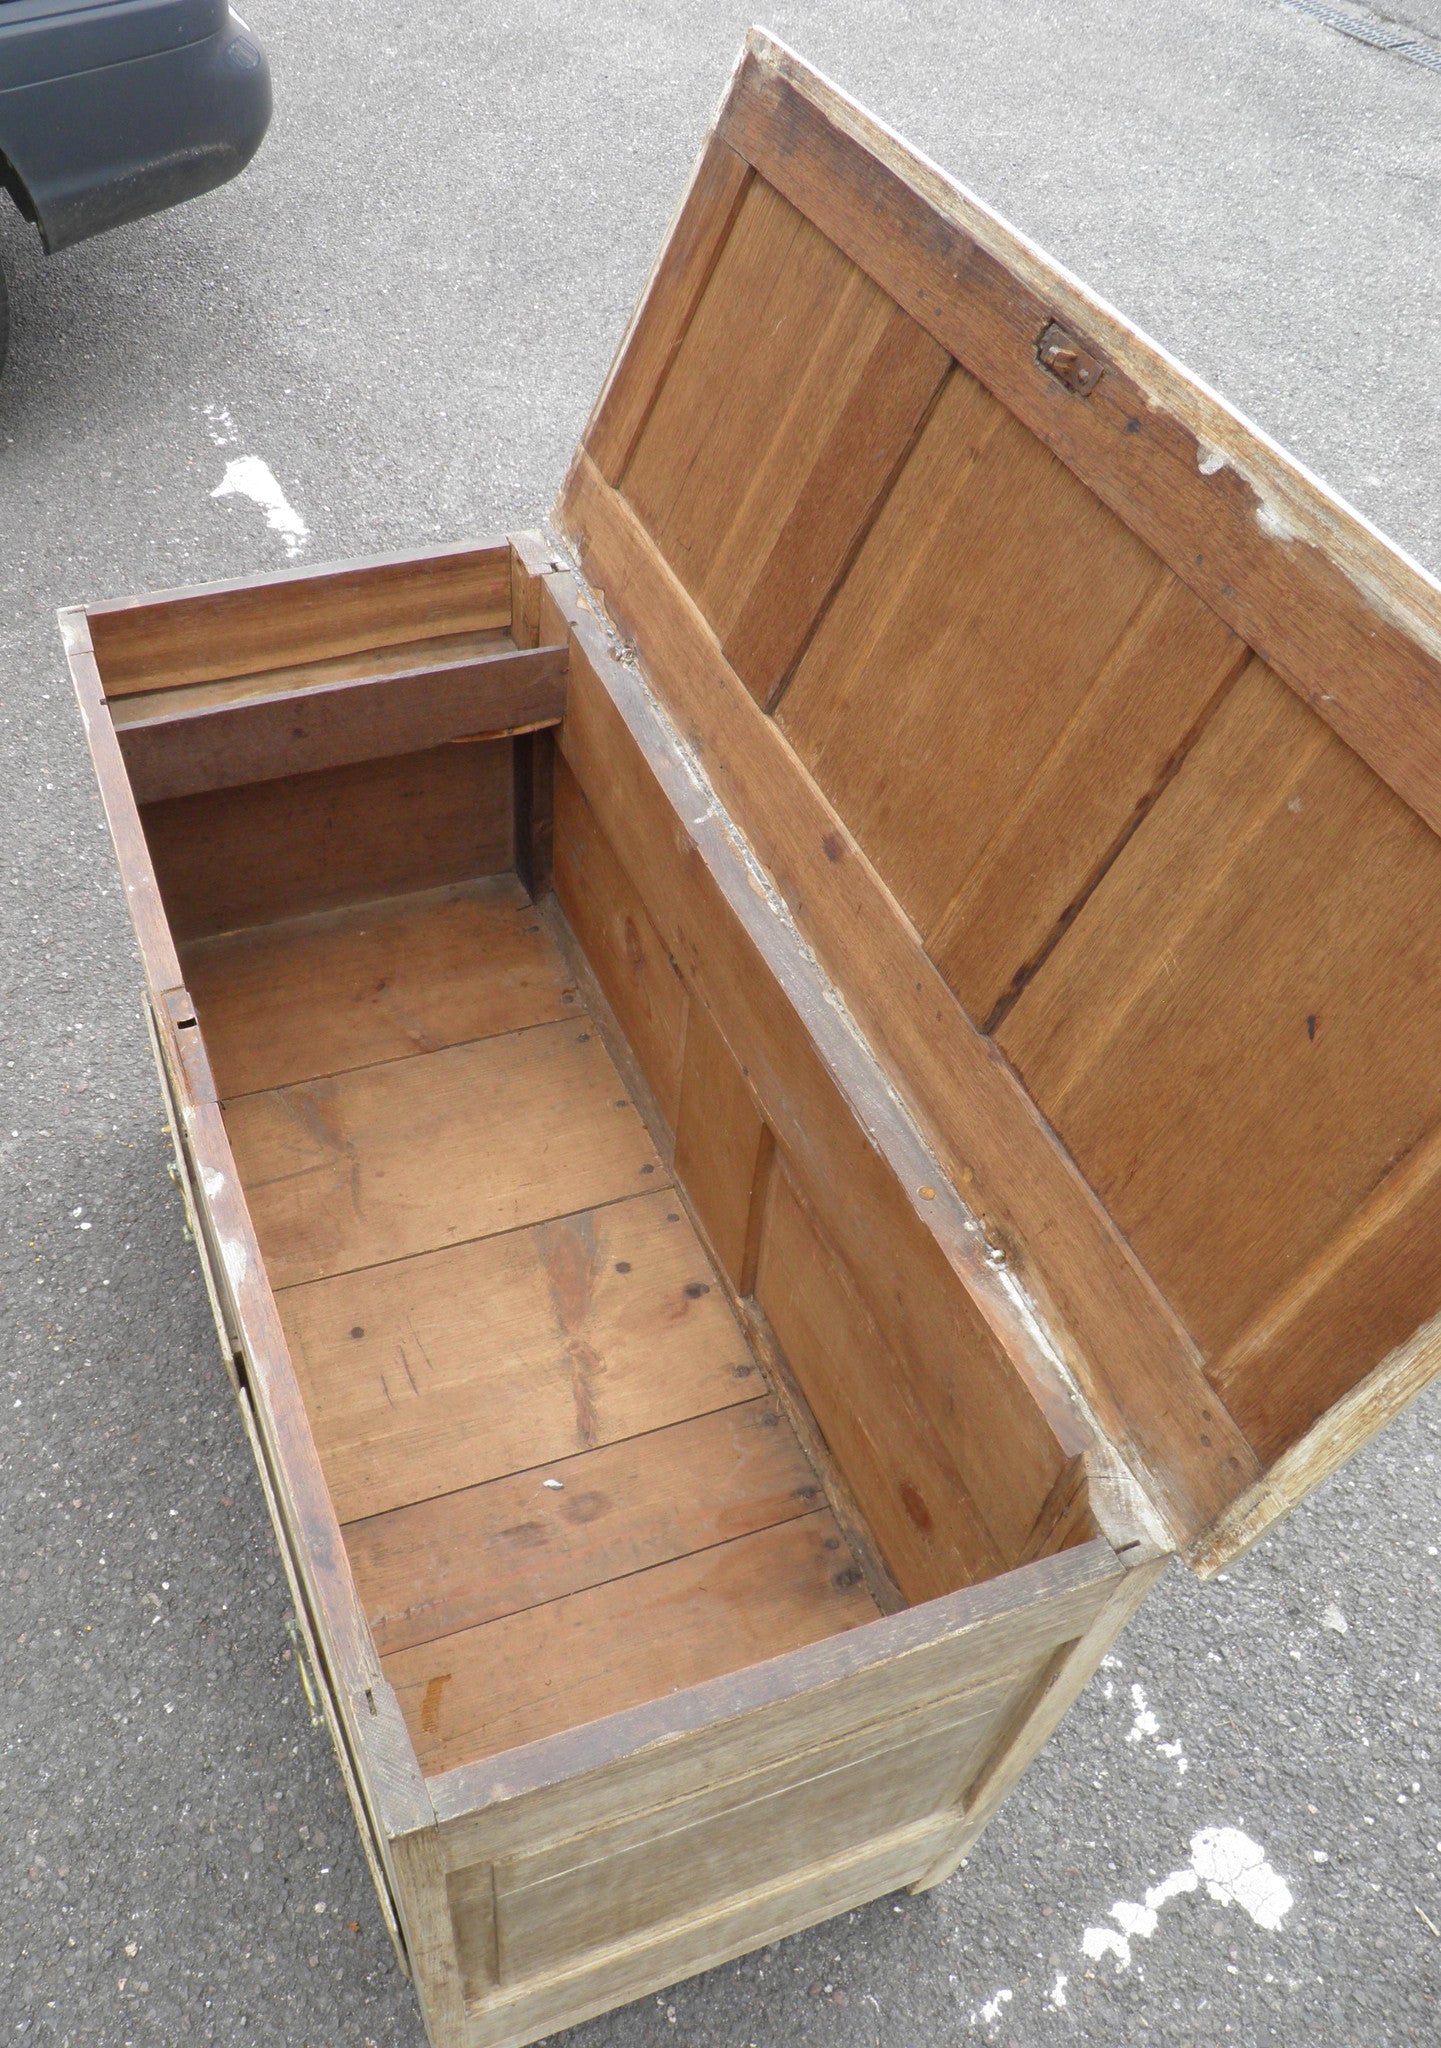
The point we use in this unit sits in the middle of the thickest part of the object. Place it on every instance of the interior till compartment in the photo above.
(604, 1403)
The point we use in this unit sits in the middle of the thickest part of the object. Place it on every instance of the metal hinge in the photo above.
(1061, 354)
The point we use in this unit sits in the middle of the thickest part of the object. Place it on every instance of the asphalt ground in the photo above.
(405, 308)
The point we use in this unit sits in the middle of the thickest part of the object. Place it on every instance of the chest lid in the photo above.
(1096, 750)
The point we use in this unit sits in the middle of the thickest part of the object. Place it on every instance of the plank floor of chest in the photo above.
(563, 1485)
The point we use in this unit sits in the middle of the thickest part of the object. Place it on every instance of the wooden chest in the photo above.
(776, 1116)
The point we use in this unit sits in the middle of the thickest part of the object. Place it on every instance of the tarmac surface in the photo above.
(405, 308)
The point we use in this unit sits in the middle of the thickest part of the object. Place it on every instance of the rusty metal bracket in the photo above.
(1061, 354)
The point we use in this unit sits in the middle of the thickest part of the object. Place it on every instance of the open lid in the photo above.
(1096, 748)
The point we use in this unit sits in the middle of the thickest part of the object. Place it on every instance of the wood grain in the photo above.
(796, 389)
(349, 988)
(667, 304)
(281, 849)
(719, 1732)
(332, 725)
(626, 1882)
(412, 1371)
(720, 1145)
(139, 705)
(594, 1652)
(173, 637)
(1348, 621)
(1240, 1034)
(990, 591)
(1087, 793)
(619, 940)
(927, 1525)
(1140, 1370)
(467, 1558)
(386, 1161)
(1368, 1290)
(855, 1155)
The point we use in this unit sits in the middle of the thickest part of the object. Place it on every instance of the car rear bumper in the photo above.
(98, 147)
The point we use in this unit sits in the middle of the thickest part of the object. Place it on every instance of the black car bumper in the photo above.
(90, 148)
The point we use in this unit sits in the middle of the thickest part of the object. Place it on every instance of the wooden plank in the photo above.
(451, 1368)
(1367, 1291)
(529, 564)
(902, 1233)
(379, 981)
(795, 391)
(681, 1743)
(544, 1858)
(388, 1777)
(1139, 1370)
(931, 1532)
(1039, 1711)
(736, 1927)
(833, 508)
(314, 842)
(297, 732)
(430, 1937)
(172, 637)
(1241, 1032)
(1346, 1425)
(592, 1653)
(672, 293)
(720, 1143)
(1353, 625)
(453, 1563)
(616, 935)
(132, 851)
(386, 1161)
(140, 705)
(533, 784)
(631, 1880)
(987, 596)
(1089, 792)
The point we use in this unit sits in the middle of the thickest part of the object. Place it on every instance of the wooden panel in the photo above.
(454, 1563)
(670, 299)
(1370, 1288)
(346, 988)
(777, 1017)
(1349, 622)
(720, 1144)
(687, 1742)
(758, 1917)
(411, 1370)
(141, 705)
(795, 391)
(617, 937)
(296, 732)
(1139, 1369)
(985, 600)
(573, 1660)
(428, 1151)
(625, 1881)
(174, 637)
(312, 842)
(1241, 1033)
(928, 1527)
(1088, 793)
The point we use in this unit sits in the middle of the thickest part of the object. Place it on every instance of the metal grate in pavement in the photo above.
(1395, 42)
